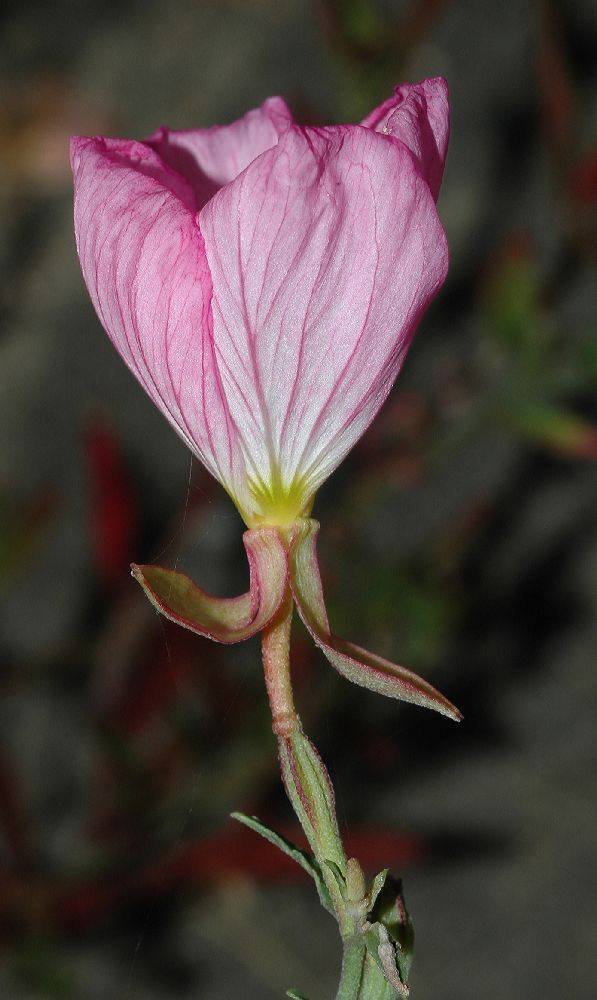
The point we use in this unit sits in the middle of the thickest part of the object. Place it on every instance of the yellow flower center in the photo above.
(277, 504)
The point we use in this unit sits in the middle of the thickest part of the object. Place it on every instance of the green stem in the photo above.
(311, 795)
(305, 777)
(361, 978)
(353, 962)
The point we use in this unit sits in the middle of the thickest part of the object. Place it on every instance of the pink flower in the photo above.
(263, 280)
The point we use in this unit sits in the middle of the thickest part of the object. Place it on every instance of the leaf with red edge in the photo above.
(223, 619)
(356, 664)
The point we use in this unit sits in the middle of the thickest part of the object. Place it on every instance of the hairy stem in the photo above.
(305, 777)
(275, 647)
(361, 978)
(353, 961)
(311, 794)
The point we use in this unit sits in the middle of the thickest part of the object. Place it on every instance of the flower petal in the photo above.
(419, 115)
(224, 619)
(211, 157)
(144, 264)
(323, 254)
(356, 664)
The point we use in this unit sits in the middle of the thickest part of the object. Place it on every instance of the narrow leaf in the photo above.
(302, 858)
(338, 878)
(223, 619)
(377, 885)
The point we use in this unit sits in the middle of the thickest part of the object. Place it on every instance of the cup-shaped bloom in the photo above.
(263, 280)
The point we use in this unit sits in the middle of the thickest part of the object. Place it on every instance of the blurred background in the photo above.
(459, 538)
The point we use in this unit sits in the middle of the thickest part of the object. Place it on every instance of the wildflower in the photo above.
(263, 281)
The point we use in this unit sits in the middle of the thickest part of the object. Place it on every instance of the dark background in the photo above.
(460, 537)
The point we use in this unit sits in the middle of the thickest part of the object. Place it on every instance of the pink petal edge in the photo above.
(210, 157)
(144, 263)
(419, 116)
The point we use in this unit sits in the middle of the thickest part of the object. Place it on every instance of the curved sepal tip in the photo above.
(223, 619)
(356, 664)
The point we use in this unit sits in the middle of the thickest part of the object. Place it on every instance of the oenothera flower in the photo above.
(263, 281)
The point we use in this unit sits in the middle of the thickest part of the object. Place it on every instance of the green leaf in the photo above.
(295, 995)
(390, 911)
(302, 858)
(378, 883)
(371, 938)
(338, 878)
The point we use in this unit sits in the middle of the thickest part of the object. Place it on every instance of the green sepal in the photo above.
(295, 995)
(302, 858)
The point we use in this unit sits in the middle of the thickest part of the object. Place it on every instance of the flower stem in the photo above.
(353, 960)
(311, 794)
(275, 647)
(304, 774)
(361, 978)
